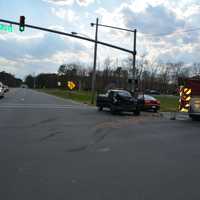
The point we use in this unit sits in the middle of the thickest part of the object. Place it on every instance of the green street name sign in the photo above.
(7, 28)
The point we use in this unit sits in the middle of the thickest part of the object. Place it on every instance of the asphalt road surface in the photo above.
(53, 149)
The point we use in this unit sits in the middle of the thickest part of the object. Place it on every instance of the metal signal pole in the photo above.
(134, 63)
(133, 82)
(95, 62)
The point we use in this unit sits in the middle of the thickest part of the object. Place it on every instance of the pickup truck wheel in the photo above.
(100, 108)
(112, 110)
(155, 110)
(136, 112)
(194, 118)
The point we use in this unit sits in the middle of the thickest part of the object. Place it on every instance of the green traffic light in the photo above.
(22, 23)
(21, 28)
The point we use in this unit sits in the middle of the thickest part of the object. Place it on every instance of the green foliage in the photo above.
(29, 80)
(9, 79)
(80, 96)
(168, 103)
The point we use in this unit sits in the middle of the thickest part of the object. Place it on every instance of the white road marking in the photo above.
(41, 106)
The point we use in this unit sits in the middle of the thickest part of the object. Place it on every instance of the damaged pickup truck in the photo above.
(118, 101)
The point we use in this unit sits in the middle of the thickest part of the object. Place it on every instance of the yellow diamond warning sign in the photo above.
(71, 85)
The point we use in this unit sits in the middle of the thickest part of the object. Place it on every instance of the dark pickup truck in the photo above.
(118, 101)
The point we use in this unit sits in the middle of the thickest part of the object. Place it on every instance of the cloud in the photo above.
(188, 54)
(66, 14)
(21, 38)
(36, 53)
(152, 20)
(37, 47)
(60, 2)
(70, 2)
(10, 65)
(61, 13)
(84, 2)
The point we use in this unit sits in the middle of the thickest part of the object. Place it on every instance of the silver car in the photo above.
(1, 90)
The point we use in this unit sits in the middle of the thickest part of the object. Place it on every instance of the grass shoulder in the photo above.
(168, 103)
(79, 96)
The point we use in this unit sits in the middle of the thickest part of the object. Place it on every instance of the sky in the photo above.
(34, 52)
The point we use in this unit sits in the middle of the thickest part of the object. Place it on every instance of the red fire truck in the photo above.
(190, 96)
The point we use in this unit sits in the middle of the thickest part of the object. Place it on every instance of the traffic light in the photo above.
(185, 97)
(22, 23)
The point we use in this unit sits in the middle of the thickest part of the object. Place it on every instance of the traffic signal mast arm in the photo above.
(67, 34)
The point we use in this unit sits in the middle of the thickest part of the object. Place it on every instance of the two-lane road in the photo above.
(54, 149)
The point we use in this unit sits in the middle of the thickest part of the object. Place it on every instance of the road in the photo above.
(54, 149)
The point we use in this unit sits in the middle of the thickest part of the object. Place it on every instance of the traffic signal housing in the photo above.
(22, 23)
(184, 100)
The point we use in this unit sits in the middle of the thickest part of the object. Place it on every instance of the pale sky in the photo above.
(33, 52)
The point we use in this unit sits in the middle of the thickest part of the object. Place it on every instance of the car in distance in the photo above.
(1, 90)
(118, 101)
(152, 92)
(24, 86)
(149, 102)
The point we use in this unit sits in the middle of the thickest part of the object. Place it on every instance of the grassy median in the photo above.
(168, 103)
(80, 96)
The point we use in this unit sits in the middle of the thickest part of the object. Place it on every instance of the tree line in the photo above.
(112, 74)
(9, 79)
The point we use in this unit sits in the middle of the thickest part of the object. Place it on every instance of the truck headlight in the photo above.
(115, 100)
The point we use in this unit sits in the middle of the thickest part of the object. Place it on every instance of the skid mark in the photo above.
(78, 149)
(44, 122)
(49, 136)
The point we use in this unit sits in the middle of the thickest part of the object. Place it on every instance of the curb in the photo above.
(174, 115)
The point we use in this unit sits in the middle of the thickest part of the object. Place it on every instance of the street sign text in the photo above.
(7, 28)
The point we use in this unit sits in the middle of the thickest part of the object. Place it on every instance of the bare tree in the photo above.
(196, 69)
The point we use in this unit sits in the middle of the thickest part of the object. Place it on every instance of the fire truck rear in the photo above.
(190, 96)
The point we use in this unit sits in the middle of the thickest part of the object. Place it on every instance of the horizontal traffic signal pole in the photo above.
(69, 35)
(114, 27)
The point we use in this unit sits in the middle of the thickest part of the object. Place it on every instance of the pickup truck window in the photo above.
(110, 94)
(124, 93)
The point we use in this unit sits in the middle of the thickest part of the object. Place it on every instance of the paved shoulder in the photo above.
(32, 97)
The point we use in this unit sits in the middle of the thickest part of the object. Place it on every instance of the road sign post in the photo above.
(95, 62)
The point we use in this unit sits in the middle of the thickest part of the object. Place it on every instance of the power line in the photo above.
(171, 33)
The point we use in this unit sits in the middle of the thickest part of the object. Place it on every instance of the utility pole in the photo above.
(95, 62)
(34, 82)
(133, 83)
(134, 62)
